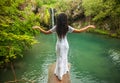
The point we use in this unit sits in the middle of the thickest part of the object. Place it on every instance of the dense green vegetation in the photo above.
(105, 14)
(18, 16)
(15, 29)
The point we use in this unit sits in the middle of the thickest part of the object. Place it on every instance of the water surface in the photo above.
(94, 59)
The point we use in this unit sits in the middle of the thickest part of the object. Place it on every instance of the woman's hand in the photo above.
(35, 27)
(42, 30)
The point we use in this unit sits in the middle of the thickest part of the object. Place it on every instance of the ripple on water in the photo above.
(115, 56)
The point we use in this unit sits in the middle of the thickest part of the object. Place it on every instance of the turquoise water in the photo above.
(94, 59)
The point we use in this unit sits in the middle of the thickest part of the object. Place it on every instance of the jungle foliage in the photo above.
(105, 14)
(16, 33)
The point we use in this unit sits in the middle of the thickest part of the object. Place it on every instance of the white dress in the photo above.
(62, 48)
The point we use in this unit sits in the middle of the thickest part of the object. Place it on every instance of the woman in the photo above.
(62, 47)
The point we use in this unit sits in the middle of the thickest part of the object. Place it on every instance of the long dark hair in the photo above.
(61, 25)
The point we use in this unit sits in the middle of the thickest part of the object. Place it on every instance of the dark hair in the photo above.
(61, 25)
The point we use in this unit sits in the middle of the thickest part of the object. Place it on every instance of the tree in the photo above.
(104, 12)
(15, 30)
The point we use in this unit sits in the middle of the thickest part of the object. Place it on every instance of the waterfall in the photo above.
(52, 15)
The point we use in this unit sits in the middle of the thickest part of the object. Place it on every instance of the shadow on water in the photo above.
(94, 59)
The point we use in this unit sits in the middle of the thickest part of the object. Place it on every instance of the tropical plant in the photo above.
(15, 29)
(104, 12)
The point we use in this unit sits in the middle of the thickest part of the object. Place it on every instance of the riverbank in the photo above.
(105, 32)
(81, 23)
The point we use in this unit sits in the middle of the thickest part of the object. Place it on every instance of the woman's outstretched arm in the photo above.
(42, 30)
(83, 29)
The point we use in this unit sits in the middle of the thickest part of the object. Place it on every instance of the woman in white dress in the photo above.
(62, 47)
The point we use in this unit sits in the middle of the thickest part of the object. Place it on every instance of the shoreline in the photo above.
(104, 32)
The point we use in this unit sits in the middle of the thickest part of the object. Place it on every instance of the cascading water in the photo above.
(52, 16)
